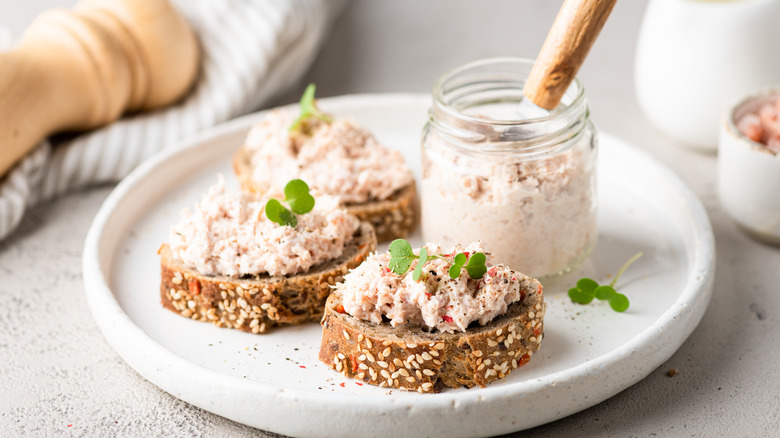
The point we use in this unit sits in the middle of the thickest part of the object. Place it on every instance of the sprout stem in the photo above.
(625, 266)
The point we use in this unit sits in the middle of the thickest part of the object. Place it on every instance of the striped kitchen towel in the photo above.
(252, 50)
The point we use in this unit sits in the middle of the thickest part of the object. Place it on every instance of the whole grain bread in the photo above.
(391, 218)
(410, 358)
(258, 303)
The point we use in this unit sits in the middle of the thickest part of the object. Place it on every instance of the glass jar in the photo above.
(498, 169)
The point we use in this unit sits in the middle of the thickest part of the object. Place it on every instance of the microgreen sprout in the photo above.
(587, 289)
(309, 109)
(296, 195)
(401, 256)
(423, 257)
(476, 265)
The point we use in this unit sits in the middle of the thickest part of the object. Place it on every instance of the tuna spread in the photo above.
(229, 234)
(337, 158)
(372, 291)
(538, 216)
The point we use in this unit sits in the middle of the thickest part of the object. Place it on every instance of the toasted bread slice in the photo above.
(391, 218)
(258, 303)
(410, 358)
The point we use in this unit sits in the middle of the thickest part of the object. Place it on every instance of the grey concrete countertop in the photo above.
(59, 377)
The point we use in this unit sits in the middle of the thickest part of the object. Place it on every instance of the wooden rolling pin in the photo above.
(80, 69)
(567, 44)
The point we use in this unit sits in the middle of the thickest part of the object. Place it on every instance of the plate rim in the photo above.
(112, 320)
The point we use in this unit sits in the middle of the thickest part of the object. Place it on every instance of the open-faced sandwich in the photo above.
(427, 320)
(336, 157)
(246, 264)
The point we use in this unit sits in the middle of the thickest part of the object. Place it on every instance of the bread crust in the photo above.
(391, 218)
(257, 304)
(408, 358)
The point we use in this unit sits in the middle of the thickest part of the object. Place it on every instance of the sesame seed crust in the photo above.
(257, 304)
(427, 362)
(391, 218)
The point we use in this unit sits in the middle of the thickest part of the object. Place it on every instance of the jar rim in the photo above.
(560, 111)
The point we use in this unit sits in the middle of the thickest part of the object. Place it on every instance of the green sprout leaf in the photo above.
(605, 293)
(457, 264)
(454, 271)
(587, 285)
(277, 213)
(401, 256)
(579, 296)
(274, 209)
(309, 109)
(587, 289)
(418, 269)
(476, 266)
(619, 303)
(288, 218)
(297, 195)
(584, 292)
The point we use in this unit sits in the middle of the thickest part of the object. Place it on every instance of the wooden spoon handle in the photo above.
(572, 34)
(80, 69)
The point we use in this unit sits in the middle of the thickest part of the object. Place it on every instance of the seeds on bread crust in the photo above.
(408, 358)
(256, 304)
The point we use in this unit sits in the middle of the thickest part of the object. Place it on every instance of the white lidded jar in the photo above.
(695, 57)
(519, 179)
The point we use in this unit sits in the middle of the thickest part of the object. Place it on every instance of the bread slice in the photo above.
(409, 358)
(256, 304)
(391, 218)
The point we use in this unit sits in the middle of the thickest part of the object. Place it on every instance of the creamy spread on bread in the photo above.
(228, 233)
(372, 291)
(338, 158)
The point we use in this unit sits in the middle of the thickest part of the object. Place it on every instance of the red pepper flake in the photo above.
(340, 309)
(447, 318)
(194, 287)
(514, 278)
(302, 366)
(341, 384)
(539, 291)
(428, 294)
(362, 245)
(358, 384)
(466, 253)
(354, 363)
(70, 425)
(537, 331)
(523, 360)
(492, 271)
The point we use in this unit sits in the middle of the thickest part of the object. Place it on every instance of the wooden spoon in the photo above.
(77, 70)
(572, 34)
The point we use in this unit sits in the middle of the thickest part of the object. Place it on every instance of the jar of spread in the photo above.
(498, 169)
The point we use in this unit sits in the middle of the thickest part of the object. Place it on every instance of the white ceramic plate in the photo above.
(274, 381)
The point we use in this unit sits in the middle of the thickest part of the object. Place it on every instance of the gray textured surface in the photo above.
(56, 369)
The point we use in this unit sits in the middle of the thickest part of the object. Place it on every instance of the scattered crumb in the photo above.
(672, 372)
